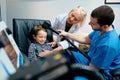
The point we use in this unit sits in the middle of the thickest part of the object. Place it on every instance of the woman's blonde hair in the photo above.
(83, 14)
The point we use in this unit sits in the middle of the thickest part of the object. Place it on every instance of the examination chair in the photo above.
(57, 70)
(21, 29)
(21, 32)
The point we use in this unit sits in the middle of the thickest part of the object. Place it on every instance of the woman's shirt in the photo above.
(60, 23)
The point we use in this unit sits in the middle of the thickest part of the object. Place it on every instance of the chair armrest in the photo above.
(86, 71)
(115, 72)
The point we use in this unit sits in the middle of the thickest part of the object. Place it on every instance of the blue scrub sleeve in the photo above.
(103, 57)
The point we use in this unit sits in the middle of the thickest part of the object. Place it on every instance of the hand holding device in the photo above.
(46, 25)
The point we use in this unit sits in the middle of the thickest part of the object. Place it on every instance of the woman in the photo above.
(71, 22)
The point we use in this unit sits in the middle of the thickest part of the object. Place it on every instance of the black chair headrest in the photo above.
(21, 32)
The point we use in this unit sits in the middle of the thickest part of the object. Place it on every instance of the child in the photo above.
(38, 36)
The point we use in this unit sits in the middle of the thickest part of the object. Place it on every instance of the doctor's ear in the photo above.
(105, 26)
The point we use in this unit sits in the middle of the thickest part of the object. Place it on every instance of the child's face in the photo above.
(40, 37)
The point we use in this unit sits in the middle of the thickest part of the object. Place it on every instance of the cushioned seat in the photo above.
(21, 32)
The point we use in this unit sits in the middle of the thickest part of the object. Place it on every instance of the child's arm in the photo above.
(48, 52)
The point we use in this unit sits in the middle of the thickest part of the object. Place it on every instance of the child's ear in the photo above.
(33, 36)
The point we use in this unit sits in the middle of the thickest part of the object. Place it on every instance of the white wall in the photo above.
(3, 9)
(49, 9)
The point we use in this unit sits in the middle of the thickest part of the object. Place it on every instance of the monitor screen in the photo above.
(9, 52)
(8, 48)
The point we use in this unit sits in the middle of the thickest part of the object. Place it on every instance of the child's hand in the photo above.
(52, 44)
(45, 53)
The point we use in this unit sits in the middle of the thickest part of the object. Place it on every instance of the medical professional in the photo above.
(104, 42)
(70, 22)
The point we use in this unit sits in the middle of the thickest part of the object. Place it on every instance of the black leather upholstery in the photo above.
(21, 32)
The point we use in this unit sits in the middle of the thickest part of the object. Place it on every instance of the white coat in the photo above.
(60, 23)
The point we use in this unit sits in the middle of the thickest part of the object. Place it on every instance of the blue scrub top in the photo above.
(104, 49)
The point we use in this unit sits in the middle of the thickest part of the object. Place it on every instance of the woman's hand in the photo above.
(62, 33)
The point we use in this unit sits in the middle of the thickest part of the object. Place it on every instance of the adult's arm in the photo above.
(81, 38)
